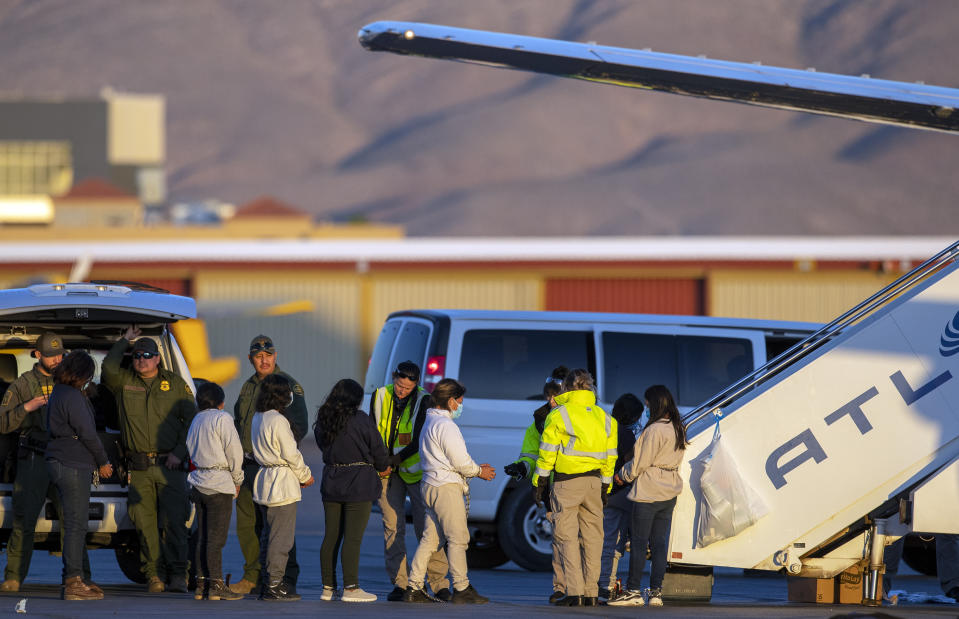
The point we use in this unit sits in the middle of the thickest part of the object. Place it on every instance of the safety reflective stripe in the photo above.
(542, 472)
(526, 455)
(548, 447)
(612, 452)
(608, 425)
(606, 480)
(597, 455)
(566, 420)
(413, 468)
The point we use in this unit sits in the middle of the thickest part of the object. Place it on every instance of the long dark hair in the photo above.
(341, 404)
(662, 404)
(75, 369)
(274, 394)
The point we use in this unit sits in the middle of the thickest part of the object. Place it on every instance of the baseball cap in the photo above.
(262, 343)
(146, 344)
(50, 345)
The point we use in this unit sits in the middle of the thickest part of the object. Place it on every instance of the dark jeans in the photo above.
(73, 487)
(649, 526)
(213, 513)
(345, 523)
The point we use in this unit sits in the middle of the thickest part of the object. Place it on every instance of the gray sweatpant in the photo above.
(276, 540)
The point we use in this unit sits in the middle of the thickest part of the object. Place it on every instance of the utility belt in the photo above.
(557, 476)
(27, 446)
(141, 461)
(351, 464)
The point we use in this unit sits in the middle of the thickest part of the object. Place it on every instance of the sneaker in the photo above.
(655, 597)
(328, 593)
(396, 595)
(417, 595)
(355, 594)
(443, 595)
(557, 596)
(604, 594)
(276, 592)
(468, 596)
(953, 593)
(628, 598)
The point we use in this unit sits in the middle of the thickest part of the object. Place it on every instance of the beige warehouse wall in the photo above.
(449, 291)
(815, 296)
(317, 347)
(136, 129)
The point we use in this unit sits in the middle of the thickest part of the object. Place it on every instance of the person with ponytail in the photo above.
(354, 460)
(654, 473)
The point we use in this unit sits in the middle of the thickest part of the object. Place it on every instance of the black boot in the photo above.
(468, 596)
(590, 601)
(571, 600)
(217, 590)
(276, 592)
(556, 596)
(396, 595)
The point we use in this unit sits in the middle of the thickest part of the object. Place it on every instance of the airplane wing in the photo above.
(862, 98)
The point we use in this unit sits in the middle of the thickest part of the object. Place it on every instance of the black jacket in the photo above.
(360, 446)
(73, 431)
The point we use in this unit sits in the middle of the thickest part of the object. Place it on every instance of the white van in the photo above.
(504, 357)
(88, 317)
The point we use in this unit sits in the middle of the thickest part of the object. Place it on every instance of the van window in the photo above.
(376, 372)
(693, 368)
(512, 364)
(411, 344)
(707, 365)
(634, 361)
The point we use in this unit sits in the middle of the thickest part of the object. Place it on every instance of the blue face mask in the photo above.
(458, 411)
(637, 428)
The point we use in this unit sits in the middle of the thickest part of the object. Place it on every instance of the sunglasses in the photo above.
(145, 355)
(398, 374)
(551, 379)
(258, 346)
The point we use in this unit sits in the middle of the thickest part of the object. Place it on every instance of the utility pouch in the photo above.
(404, 438)
(138, 461)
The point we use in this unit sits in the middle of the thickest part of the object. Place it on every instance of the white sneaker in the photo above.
(628, 598)
(328, 593)
(355, 594)
(655, 597)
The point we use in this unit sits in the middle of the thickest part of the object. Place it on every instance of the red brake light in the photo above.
(435, 369)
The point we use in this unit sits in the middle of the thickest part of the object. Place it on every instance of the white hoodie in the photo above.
(443, 454)
(282, 469)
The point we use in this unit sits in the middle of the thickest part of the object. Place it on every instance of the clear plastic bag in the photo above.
(729, 505)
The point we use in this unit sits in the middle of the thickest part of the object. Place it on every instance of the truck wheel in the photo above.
(920, 554)
(128, 558)
(484, 553)
(524, 531)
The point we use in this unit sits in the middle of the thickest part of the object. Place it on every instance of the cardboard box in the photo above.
(846, 588)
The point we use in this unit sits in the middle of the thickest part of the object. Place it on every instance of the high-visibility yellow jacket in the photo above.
(529, 452)
(579, 437)
(410, 470)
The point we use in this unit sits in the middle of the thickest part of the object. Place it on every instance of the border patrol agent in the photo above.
(399, 410)
(24, 410)
(155, 410)
(249, 523)
(579, 447)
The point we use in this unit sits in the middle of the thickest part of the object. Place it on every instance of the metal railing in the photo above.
(801, 349)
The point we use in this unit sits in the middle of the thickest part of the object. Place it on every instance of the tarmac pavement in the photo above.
(513, 591)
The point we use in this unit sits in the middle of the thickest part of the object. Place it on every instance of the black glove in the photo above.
(541, 490)
(395, 461)
(605, 495)
(516, 470)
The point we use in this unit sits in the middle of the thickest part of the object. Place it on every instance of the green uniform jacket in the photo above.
(154, 418)
(246, 405)
(13, 417)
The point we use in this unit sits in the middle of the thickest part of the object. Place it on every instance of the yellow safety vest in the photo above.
(578, 437)
(530, 449)
(410, 470)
